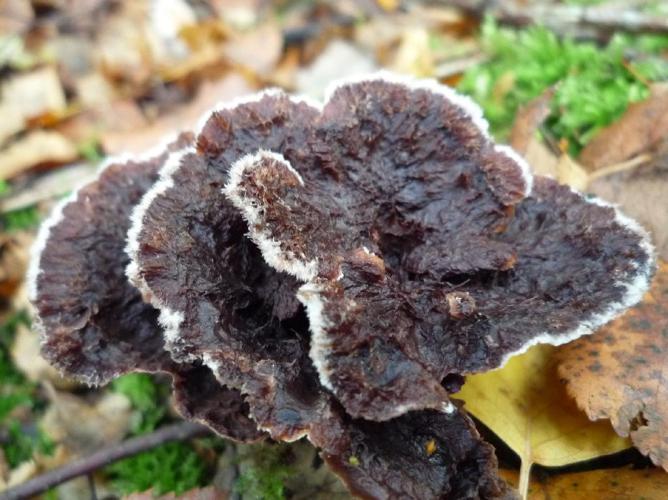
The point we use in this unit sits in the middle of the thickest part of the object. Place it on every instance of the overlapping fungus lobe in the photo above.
(393, 248)
(94, 323)
(219, 301)
(422, 250)
(425, 454)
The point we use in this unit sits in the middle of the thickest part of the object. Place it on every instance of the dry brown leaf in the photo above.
(27, 96)
(183, 117)
(603, 484)
(642, 194)
(540, 158)
(26, 356)
(49, 186)
(13, 261)
(621, 372)
(36, 148)
(15, 16)
(639, 130)
(528, 119)
(340, 59)
(523, 138)
(83, 427)
(414, 55)
(258, 49)
(571, 172)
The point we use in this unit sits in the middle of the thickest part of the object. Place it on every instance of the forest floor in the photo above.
(580, 88)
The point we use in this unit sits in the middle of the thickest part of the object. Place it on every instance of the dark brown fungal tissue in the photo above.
(333, 271)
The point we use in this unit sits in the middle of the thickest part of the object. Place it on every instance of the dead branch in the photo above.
(565, 18)
(85, 465)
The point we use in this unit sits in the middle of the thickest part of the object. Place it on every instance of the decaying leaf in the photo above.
(604, 484)
(13, 261)
(29, 95)
(528, 119)
(39, 146)
(621, 373)
(84, 427)
(26, 357)
(526, 405)
(258, 50)
(524, 140)
(643, 127)
(185, 117)
(641, 193)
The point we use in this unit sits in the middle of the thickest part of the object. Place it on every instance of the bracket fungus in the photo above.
(338, 269)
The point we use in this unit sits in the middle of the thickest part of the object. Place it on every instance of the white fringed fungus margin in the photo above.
(305, 271)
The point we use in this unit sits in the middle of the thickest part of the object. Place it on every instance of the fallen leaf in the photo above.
(570, 172)
(180, 118)
(13, 261)
(641, 194)
(540, 158)
(20, 474)
(15, 16)
(414, 55)
(258, 49)
(528, 120)
(37, 147)
(524, 138)
(26, 356)
(621, 372)
(339, 60)
(526, 405)
(602, 484)
(83, 427)
(122, 48)
(48, 186)
(28, 96)
(640, 129)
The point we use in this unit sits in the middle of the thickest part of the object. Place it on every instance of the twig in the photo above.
(86, 465)
(634, 162)
(565, 18)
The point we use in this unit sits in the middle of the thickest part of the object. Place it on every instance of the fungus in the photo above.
(339, 268)
(94, 324)
(424, 250)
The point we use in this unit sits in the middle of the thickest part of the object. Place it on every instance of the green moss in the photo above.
(90, 149)
(172, 467)
(148, 398)
(594, 85)
(21, 219)
(264, 478)
(16, 391)
(22, 445)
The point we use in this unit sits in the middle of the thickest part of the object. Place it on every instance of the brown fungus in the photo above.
(423, 249)
(393, 248)
(93, 322)
(222, 303)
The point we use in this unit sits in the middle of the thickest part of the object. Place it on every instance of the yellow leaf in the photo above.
(389, 5)
(606, 484)
(527, 406)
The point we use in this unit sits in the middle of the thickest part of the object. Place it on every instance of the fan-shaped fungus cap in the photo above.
(393, 248)
(423, 250)
(94, 324)
(222, 303)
